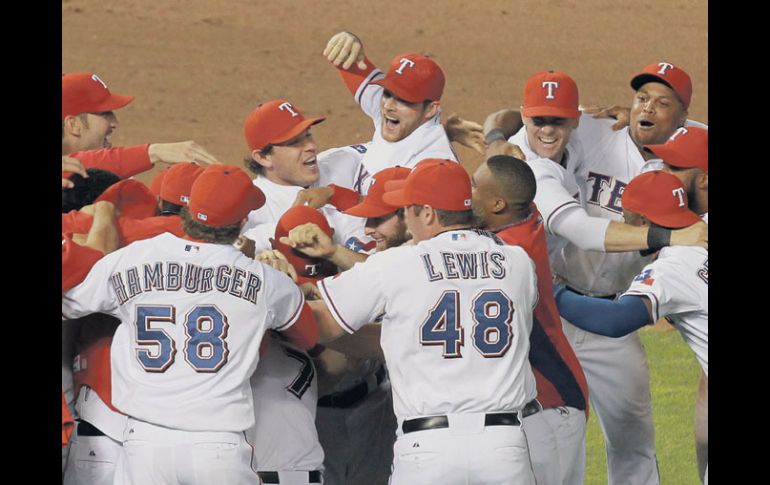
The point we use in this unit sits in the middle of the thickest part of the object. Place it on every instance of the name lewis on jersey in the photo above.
(453, 266)
(605, 191)
(191, 278)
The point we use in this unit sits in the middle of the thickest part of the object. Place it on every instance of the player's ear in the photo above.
(432, 109)
(499, 205)
(261, 159)
(72, 125)
(702, 181)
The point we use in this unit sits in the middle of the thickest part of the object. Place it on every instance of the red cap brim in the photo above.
(298, 129)
(115, 101)
(397, 90)
(369, 210)
(676, 221)
(538, 111)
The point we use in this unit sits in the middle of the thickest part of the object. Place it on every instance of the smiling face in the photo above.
(96, 130)
(656, 113)
(292, 162)
(400, 117)
(548, 135)
(388, 231)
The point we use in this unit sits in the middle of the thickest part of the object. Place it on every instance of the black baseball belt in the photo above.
(491, 419)
(272, 477)
(354, 395)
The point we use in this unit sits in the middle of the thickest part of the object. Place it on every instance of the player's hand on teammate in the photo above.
(502, 147)
(620, 113)
(311, 291)
(69, 164)
(315, 197)
(310, 240)
(179, 152)
(695, 235)
(465, 132)
(276, 259)
(247, 246)
(345, 48)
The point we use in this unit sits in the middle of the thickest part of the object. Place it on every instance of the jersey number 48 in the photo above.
(491, 311)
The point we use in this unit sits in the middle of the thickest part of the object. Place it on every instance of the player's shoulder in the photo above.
(346, 152)
(682, 256)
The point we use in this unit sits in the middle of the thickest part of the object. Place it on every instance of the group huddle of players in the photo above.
(374, 313)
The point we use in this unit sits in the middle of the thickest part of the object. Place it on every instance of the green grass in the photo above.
(673, 380)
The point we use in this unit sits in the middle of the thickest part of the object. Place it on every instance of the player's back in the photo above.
(456, 327)
(193, 315)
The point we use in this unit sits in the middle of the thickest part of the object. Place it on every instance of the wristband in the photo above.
(658, 237)
(494, 135)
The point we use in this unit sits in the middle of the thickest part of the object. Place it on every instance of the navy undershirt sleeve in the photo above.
(611, 318)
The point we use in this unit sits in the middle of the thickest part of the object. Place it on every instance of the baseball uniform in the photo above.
(456, 316)
(601, 162)
(555, 435)
(193, 315)
(336, 165)
(676, 284)
(429, 140)
(285, 392)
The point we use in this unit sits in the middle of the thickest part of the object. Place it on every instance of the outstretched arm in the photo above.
(614, 318)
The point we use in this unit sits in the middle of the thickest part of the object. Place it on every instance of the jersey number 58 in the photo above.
(205, 348)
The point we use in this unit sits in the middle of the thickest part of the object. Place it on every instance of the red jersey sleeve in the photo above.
(76, 262)
(354, 76)
(122, 161)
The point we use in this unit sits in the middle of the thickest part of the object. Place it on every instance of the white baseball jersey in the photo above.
(456, 317)
(429, 140)
(677, 285)
(192, 318)
(336, 165)
(557, 188)
(285, 375)
(610, 161)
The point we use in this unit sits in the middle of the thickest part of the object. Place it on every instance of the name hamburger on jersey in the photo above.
(192, 278)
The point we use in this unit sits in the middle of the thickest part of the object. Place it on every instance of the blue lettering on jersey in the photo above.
(359, 148)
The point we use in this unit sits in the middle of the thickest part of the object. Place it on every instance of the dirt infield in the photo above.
(198, 67)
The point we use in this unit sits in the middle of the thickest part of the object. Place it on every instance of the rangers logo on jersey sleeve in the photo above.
(359, 148)
(645, 277)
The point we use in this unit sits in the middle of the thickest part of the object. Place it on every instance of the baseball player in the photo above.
(285, 157)
(602, 162)
(404, 106)
(88, 121)
(96, 445)
(456, 311)
(193, 311)
(355, 421)
(503, 190)
(77, 259)
(675, 285)
(685, 155)
(285, 385)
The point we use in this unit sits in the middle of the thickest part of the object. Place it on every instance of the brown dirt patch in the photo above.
(199, 67)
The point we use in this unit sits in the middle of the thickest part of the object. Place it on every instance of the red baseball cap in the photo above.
(688, 147)
(308, 269)
(223, 195)
(157, 182)
(373, 205)
(661, 198)
(550, 93)
(414, 78)
(275, 122)
(178, 182)
(84, 92)
(440, 183)
(668, 74)
(132, 198)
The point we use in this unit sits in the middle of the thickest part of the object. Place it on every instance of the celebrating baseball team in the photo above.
(374, 313)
